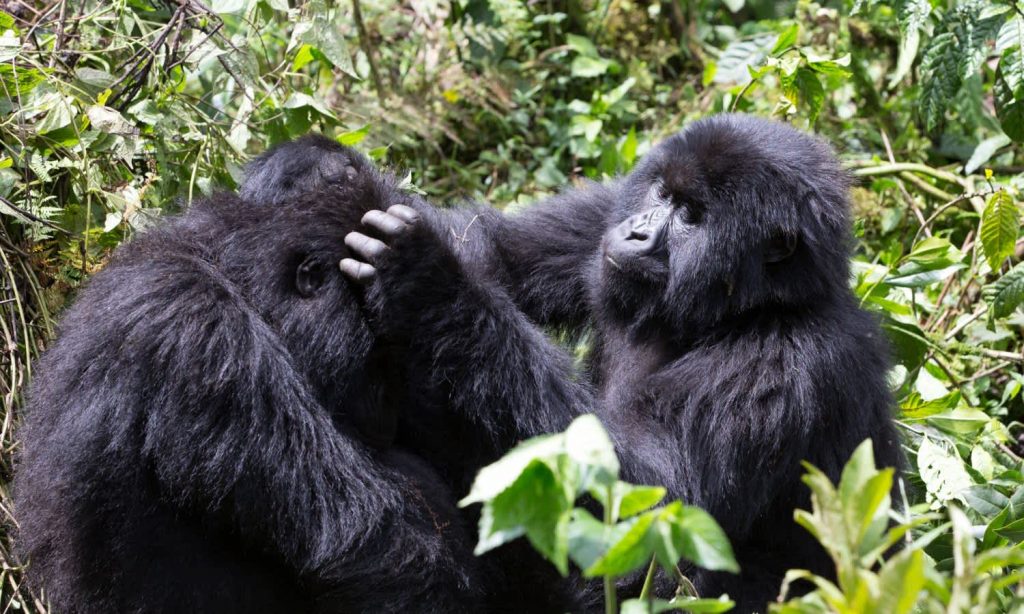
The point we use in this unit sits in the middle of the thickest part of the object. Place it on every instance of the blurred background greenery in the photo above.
(116, 112)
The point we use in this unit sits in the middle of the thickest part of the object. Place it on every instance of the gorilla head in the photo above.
(296, 168)
(731, 216)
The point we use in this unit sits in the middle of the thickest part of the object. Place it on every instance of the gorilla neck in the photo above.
(624, 357)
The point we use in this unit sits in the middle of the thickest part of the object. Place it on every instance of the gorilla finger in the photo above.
(404, 213)
(390, 225)
(366, 247)
(357, 271)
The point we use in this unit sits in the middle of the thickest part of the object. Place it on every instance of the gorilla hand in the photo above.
(408, 271)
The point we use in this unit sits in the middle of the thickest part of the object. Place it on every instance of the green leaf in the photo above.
(1000, 224)
(325, 34)
(1013, 532)
(630, 551)
(588, 444)
(18, 81)
(7, 21)
(1005, 293)
(788, 38)
(581, 45)
(940, 77)
(493, 479)
(700, 539)
(226, 7)
(804, 89)
(586, 66)
(535, 504)
(985, 150)
(687, 604)
(589, 538)
(986, 500)
(353, 137)
(731, 66)
(912, 15)
(734, 6)
(942, 472)
(962, 421)
(1008, 92)
(639, 498)
(900, 581)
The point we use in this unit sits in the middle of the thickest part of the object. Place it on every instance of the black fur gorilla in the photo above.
(728, 345)
(198, 436)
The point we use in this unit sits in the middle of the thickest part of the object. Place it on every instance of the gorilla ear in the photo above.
(309, 276)
(780, 247)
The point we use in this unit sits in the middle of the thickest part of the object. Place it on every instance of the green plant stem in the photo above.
(899, 167)
(610, 598)
(649, 580)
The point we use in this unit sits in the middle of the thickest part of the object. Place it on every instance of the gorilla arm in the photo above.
(470, 348)
(233, 433)
(539, 255)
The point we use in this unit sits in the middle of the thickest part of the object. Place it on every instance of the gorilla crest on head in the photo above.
(733, 215)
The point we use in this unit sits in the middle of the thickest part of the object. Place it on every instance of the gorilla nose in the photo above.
(640, 235)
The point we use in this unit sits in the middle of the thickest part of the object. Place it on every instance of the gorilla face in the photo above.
(284, 259)
(727, 219)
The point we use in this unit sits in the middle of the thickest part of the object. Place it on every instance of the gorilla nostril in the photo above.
(638, 235)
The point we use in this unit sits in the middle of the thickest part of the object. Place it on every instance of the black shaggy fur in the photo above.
(211, 431)
(728, 345)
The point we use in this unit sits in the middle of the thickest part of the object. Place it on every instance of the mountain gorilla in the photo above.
(212, 430)
(728, 344)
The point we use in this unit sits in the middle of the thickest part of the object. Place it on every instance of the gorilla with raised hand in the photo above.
(728, 344)
(212, 432)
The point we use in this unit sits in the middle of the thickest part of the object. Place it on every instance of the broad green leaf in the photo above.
(7, 21)
(940, 77)
(803, 89)
(226, 7)
(942, 472)
(535, 503)
(788, 38)
(731, 66)
(912, 15)
(857, 472)
(915, 408)
(493, 479)
(589, 538)
(586, 66)
(1008, 92)
(353, 137)
(1005, 293)
(1000, 225)
(17, 81)
(686, 604)
(986, 500)
(1012, 532)
(963, 421)
(588, 444)
(700, 539)
(908, 341)
(985, 150)
(581, 45)
(638, 499)
(630, 551)
(734, 6)
(900, 581)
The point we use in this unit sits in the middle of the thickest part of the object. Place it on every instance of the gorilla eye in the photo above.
(309, 276)
(691, 213)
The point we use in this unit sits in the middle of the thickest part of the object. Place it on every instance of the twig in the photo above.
(364, 42)
(899, 167)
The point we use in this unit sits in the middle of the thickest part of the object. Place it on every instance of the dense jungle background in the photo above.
(114, 113)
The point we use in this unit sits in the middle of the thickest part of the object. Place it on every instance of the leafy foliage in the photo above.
(115, 113)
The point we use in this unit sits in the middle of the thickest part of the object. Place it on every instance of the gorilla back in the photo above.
(196, 438)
